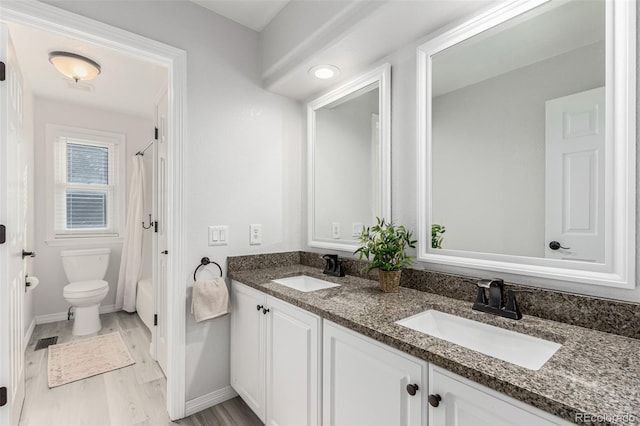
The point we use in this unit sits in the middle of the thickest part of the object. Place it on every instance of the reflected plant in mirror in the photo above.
(436, 236)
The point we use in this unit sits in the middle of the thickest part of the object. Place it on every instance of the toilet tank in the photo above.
(84, 265)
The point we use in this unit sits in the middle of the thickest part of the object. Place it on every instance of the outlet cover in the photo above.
(335, 230)
(255, 234)
(356, 229)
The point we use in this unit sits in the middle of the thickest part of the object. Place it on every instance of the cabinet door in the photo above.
(464, 402)
(293, 350)
(365, 382)
(248, 346)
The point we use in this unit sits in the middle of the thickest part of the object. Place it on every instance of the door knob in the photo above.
(434, 400)
(28, 254)
(554, 245)
(412, 389)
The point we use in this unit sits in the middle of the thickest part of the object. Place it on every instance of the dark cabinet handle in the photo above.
(28, 254)
(265, 310)
(554, 245)
(434, 400)
(258, 307)
(165, 252)
(412, 389)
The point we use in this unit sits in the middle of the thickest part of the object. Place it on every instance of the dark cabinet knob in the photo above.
(265, 310)
(434, 400)
(258, 307)
(164, 252)
(412, 389)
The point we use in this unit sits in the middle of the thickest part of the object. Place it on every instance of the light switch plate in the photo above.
(218, 235)
(255, 234)
(356, 229)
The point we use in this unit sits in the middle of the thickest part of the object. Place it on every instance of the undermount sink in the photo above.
(520, 349)
(305, 283)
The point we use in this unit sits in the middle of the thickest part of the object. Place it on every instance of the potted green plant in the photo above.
(384, 246)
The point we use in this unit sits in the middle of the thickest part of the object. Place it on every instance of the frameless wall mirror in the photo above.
(348, 160)
(527, 142)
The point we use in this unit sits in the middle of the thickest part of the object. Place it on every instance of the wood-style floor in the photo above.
(133, 395)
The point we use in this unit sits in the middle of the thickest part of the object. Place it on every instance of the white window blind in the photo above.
(86, 185)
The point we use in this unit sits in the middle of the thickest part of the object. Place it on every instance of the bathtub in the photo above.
(144, 302)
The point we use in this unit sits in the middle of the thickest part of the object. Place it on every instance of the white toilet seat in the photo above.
(85, 289)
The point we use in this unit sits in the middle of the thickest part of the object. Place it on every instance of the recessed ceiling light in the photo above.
(324, 72)
(74, 66)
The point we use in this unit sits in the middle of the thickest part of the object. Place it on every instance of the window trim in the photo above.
(98, 138)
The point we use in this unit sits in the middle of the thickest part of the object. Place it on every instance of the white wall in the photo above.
(242, 152)
(344, 163)
(489, 173)
(138, 132)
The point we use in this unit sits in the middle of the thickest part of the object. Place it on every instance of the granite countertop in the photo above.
(593, 373)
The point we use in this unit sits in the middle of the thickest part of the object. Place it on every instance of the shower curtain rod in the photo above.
(145, 148)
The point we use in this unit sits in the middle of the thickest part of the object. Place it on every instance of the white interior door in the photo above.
(575, 180)
(161, 254)
(12, 214)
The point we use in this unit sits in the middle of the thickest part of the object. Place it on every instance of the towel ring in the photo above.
(204, 262)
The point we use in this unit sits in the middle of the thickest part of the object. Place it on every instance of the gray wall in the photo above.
(489, 174)
(343, 156)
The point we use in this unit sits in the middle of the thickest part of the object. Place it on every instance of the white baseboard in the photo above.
(209, 400)
(62, 316)
(27, 336)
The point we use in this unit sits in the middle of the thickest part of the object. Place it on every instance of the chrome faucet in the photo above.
(494, 304)
(333, 266)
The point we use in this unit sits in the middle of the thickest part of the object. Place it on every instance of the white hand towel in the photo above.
(209, 299)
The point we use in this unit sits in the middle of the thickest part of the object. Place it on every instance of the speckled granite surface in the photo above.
(592, 373)
(609, 316)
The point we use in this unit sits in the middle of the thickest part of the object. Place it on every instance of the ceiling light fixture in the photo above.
(74, 66)
(324, 72)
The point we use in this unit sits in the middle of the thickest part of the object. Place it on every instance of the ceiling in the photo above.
(126, 85)
(393, 27)
(254, 14)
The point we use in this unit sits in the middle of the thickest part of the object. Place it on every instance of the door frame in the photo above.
(52, 19)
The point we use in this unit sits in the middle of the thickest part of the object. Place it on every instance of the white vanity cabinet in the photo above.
(461, 402)
(365, 382)
(275, 354)
(248, 347)
(293, 368)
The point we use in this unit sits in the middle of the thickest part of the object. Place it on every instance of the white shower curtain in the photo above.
(131, 259)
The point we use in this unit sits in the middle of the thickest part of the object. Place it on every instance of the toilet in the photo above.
(85, 270)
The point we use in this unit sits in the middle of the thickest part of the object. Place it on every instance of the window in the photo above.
(87, 185)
